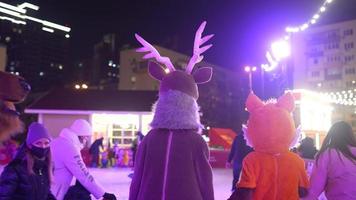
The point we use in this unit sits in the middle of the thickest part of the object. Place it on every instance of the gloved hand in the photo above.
(109, 196)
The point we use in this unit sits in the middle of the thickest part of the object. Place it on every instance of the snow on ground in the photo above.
(116, 180)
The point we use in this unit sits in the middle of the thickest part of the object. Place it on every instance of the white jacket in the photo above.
(68, 162)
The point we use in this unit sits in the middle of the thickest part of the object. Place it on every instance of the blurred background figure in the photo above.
(135, 144)
(95, 151)
(7, 151)
(238, 152)
(307, 149)
(104, 157)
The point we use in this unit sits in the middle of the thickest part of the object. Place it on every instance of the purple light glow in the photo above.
(281, 49)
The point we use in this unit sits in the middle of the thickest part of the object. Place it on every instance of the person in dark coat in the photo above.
(29, 174)
(238, 152)
(95, 151)
(135, 144)
(307, 149)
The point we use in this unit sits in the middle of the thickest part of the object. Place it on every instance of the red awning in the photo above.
(220, 137)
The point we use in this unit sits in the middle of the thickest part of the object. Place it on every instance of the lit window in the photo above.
(350, 71)
(348, 32)
(349, 46)
(8, 39)
(41, 73)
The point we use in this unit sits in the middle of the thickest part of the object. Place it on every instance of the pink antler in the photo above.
(153, 53)
(198, 41)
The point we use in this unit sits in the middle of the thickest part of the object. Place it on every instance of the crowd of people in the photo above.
(103, 155)
(29, 174)
(172, 161)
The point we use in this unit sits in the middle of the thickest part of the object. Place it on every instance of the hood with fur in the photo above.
(176, 110)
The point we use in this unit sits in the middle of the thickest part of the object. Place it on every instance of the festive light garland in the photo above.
(272, 60)
(345, 97)
(348, 97)
(311, 21)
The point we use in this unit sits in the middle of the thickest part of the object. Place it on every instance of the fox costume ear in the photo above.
(287, 102)
(253, 102)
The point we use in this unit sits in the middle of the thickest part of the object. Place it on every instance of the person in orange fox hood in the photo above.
(272, 172)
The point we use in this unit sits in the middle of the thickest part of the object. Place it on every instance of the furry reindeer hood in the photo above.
(13, 89)
(270, 126)
(176, 107)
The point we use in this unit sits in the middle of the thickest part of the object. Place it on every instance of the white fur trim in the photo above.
(248, 141)
(176, 110)
(294, 143)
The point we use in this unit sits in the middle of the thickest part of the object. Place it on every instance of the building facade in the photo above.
(324, 60)
(3, 57)
(36, 49)
(115, 115)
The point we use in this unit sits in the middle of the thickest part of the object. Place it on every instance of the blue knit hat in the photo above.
(35, 132)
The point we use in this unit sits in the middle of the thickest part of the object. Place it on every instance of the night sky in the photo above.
(243, 28)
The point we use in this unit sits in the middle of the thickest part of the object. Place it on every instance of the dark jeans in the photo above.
(236, 172)
(95, 160)
(77, 192)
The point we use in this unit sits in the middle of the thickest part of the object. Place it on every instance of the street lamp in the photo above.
(280, 49)
(84, 86)
(250, 70)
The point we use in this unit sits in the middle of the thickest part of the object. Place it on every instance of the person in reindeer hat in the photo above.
(172, 161)
(13, 89)
(271, 172)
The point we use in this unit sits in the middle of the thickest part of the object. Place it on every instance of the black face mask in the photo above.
(39, 152)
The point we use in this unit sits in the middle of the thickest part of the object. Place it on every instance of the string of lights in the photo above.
(345, 97)
(274, 56)
(273, 59)
(311, 21)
